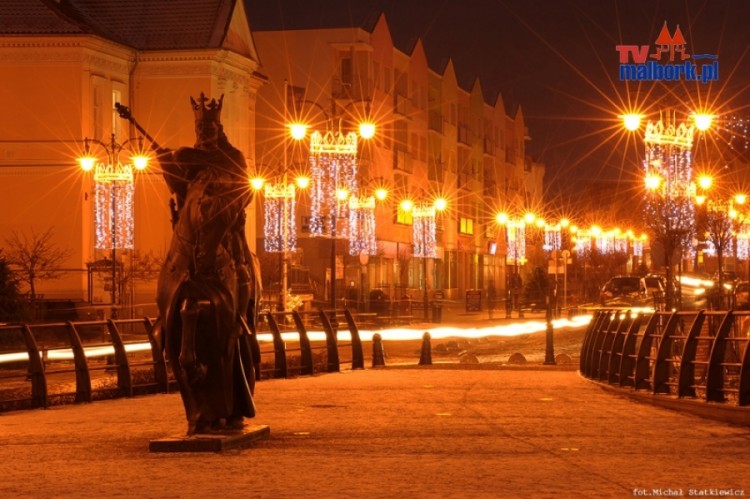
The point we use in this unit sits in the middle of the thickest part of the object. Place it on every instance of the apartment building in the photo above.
(434, 139)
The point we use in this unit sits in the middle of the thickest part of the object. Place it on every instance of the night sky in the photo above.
(556, 59)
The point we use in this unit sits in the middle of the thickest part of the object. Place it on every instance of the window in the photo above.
(466, 225)
(403, 217)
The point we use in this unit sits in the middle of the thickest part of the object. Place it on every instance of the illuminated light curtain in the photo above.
(743, 244)
(280, 225)
(605, 242)
(583, 242)
(637, 246)
(710, 249)
(333, 166)
(113, 206)
(516, 237)
(424, 231)
(620, 243)
(669, 156)
(552, 238)
(362, 226)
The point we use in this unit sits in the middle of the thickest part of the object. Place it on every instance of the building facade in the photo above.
(433, 140)
(65, 65)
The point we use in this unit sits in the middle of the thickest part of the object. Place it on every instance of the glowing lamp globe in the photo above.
(257, 183)
(140, 162)
(702, 121)
(367, 130)
(298, 131)
(631, 121)
(87, 163)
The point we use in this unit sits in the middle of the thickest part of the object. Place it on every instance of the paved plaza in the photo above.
(386, 432)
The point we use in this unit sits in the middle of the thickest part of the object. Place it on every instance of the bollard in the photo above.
(425, 357)
(378, 355)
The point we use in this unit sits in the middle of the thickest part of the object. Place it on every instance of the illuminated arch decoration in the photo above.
(333, 167)
(669, 160)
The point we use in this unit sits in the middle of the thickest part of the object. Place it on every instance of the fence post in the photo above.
(378, 355)
(358, 360)
(425, 357)
(331, 341)
(306, 360)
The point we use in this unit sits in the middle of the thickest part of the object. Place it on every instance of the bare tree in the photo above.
(36, 259)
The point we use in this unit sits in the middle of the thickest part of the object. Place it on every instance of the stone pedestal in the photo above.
(214, 442)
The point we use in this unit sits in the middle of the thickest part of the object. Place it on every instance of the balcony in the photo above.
(401, 105)
(464, 135)
(355, 90)
(402, 161)
(435, 121)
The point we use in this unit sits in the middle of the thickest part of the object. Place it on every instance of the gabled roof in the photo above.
(140, 24)
(34, 17)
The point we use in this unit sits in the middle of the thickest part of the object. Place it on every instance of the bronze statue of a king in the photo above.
(209, 287)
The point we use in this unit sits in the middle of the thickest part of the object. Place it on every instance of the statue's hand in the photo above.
(123, 111)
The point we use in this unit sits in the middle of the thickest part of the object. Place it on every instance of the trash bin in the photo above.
(473, 300)
(437, 312)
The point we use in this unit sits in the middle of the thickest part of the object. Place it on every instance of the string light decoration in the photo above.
(637, 245)
(668, 166)
(333, 165)
(424, 231)
(743, 244)
(516, 234)
(552, 237)
(114, 214)
(362, 226)
(280, 226)
(583, 242)
(113, 192)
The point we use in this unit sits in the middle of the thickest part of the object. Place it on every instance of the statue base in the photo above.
(213, 442)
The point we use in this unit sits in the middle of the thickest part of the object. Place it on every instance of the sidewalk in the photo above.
(386, 432)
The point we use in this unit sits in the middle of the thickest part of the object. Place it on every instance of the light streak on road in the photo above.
(393, 334)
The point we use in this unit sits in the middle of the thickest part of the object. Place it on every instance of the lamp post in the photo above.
(515, 244)
(333, 164)
(669, 182)
(114, 190)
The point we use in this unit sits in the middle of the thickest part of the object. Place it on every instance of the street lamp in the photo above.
(333, 166)
(279, 221)
(515, 254)
(114, 192)
(424, 236)
(669, 182)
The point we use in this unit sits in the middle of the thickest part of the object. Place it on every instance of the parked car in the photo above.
(655, 284)
(625, 291)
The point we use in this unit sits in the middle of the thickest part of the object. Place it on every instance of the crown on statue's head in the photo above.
(206, 110)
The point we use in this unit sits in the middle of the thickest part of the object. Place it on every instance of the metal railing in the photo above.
(75, 362)
(697, 355)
